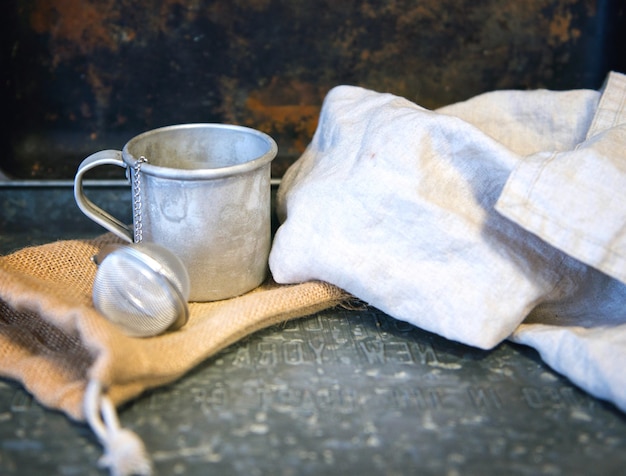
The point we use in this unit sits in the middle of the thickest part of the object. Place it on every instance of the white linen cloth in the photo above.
(501, 217)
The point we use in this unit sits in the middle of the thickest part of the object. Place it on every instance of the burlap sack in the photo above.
(55, 343)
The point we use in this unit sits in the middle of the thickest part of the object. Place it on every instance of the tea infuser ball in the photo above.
(143, 288)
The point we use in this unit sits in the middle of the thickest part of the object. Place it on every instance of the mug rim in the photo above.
(207, 173)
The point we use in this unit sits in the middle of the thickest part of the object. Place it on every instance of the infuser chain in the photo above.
(138, 228)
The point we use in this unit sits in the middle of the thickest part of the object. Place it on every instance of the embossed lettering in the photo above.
(425, 352)
(336, 399)
(211, 399)
(317, 350)
(484, 397)
(292, 399)
(267, 353)
(417, 397)
(538, 398)
(293, 352)
(399, 352)
(242, 356)
(375, 351)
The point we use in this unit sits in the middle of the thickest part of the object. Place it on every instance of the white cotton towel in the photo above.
(397, 205)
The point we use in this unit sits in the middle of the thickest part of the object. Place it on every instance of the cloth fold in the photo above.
(590, 223)
(478, 221)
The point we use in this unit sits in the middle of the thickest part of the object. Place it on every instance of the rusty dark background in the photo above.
(82, 75)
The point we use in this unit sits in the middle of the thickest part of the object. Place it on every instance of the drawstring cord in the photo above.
(124, 452)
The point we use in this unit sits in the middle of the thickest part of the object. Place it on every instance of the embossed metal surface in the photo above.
(340, 392)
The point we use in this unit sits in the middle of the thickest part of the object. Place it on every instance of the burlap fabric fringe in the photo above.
(70, 358)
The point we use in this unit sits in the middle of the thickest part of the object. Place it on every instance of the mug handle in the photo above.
(97, 214)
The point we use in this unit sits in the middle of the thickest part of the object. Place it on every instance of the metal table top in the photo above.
(339, 392)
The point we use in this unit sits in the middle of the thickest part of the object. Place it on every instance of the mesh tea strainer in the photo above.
(143, 288)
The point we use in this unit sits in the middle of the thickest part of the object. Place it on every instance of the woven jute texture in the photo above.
(53, 341)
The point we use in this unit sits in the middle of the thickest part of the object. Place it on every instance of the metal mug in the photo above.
(203, 192)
